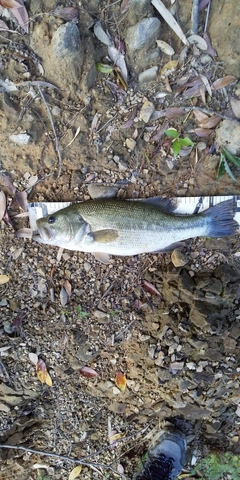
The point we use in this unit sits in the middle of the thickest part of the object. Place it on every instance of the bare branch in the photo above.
(195, 17)
(54, 132)
(207, 17)
(62, 457)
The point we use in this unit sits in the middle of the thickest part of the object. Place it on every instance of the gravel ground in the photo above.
(169, 323)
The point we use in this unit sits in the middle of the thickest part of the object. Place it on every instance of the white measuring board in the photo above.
(184, 206)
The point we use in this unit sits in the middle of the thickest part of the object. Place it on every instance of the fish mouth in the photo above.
(46, 233)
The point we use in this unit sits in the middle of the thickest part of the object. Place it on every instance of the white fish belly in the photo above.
(135, 242)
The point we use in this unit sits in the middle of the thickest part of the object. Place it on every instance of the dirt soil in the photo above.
(176, 338)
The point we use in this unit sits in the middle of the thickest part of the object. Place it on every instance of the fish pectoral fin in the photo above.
(170, 248)
(104, 236)
(102, 257)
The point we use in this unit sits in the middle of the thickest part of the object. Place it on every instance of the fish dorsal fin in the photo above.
(104, 236)
(166, 205)
(102, 257)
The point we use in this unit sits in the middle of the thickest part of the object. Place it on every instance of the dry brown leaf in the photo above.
(149, 287)
(235, 104)
(202, 132)
(66, 13)
(223, 82)
(63, 297)
(68, 287)
(198, 41)
(4, 279)
(165, 47)
(121, 381)
(88, 372)
(75, 472)
(24, 233)
(21, 15)
(10, 3)
(200, 116)
(131, 118)
(210, 122)
(3, 204)
(114, 436)
(120, 469)
(203, 4)
(202, 94)
(8, 182)
(173, 112)
(206, 84)
(168, 17)
(33, 358)
(118, 59)
(160, 132)
(169, 68)
(124, 6)
(210, 48)
(167, 85)
(3, 25)
(42, 373)
(20, 199)
(4, 408)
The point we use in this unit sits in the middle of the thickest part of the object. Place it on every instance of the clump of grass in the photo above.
(214, 467)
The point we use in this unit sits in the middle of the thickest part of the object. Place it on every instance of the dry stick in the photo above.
(62, 457)
(195, 17)
(54, 132)
(207, 17)
(209, 112)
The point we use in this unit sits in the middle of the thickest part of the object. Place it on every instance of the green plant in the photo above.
(177, 142)
(114, 313)
(214, 467)
(42, 476)
(223, 166)
(80, 312)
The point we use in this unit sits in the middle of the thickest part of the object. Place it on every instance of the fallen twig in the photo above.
(207, 17)
(209, 112)
(195, 17)
(62, 457)
(54, 132)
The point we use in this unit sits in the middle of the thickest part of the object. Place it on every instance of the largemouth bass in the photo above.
(130, 227)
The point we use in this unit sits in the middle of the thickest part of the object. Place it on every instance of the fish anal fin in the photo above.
(104, 236)
(102, 257)
(170, 248)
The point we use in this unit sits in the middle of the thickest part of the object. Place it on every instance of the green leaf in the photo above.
(232, 158)
(176, 146)
(186, 142)
(104, 68)
(226, 167)
(221, 167)
(171, 133)
(80, 312)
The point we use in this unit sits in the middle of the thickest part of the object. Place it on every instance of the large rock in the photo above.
(228, 135)
(68, 62)
(224, 32)
(144, 34)
(138, 10)
(141, 44)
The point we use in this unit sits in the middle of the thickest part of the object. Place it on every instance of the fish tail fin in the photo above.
(221, 219)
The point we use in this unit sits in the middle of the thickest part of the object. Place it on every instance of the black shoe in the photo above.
(165, 459)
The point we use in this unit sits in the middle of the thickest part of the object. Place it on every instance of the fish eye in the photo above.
(51, 219)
